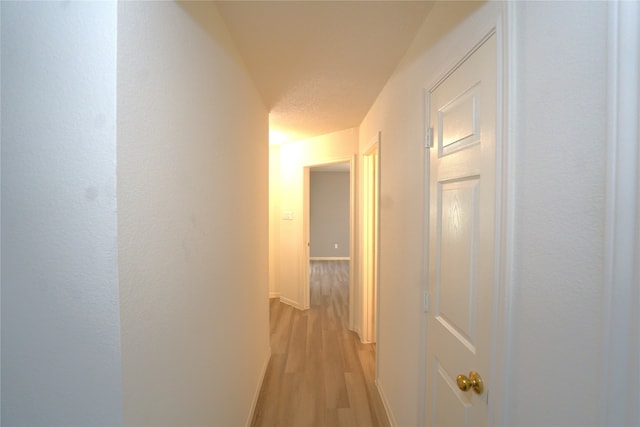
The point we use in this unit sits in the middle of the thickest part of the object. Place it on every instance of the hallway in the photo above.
(319, 372)
(140, 243)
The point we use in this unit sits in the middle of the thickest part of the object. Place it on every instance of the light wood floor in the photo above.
(319, 373)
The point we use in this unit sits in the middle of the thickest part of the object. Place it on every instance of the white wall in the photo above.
(193, 219)
(331, 148)
(274, 220)
(398, 114)
(557, 140)
(329, 212)
(60, 327)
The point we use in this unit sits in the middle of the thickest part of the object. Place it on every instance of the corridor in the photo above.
(319, 373)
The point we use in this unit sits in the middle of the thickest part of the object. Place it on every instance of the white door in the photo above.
(462, 199)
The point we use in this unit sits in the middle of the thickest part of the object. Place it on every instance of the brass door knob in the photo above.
(474, 381)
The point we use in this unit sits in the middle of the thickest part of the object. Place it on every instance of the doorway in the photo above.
(331, 208)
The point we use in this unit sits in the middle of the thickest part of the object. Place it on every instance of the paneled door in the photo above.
(462, 216)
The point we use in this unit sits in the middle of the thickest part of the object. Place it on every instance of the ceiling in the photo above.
(319, 65)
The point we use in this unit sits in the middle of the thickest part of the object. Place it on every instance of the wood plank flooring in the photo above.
(320, 374)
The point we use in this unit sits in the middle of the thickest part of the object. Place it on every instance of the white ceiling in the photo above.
(319, 65)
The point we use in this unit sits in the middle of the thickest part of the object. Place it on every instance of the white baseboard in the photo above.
(256, 395)
(329, 258)
(292, 303)
(274, 294)
(359, 332)
(385, 403)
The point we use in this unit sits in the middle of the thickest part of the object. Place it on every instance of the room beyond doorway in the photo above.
(329, 212)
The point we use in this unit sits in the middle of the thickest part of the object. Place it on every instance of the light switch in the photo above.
(287, 215)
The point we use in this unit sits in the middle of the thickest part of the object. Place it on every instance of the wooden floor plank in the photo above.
(346, 418)
(335, 385)
(320, 374)
(265, 414)
(359, 399)
(296, 353)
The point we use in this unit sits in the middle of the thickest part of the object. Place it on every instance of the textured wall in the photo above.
(274, 219)
(193, 219)
(557, 144)
(60, 328)
(559, 208)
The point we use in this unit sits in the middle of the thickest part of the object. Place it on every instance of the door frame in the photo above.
(621, 344)
(304, 280)
(370, 240)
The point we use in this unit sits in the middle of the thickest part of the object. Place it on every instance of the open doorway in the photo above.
(329, 241)
(329, 230)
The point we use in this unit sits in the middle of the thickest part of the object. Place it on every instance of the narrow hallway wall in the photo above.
(557, 140)
(192, 219)
(60, 328)
(398, 115)
(561, 79)
(274, 220)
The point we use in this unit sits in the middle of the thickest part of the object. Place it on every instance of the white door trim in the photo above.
(621, 343)
(304, 280)
(506, 119)
(369, 259)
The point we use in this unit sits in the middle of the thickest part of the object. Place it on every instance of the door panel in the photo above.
(454, 407)
(461, 237)
(456, 286)
(458, 122)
